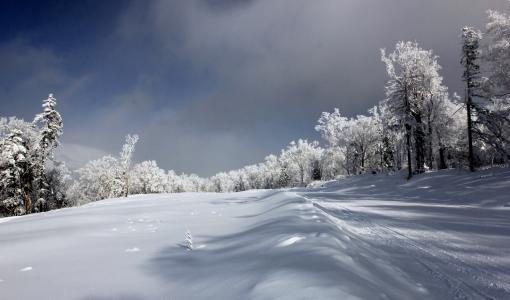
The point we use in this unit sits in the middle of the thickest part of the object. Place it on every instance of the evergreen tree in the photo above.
(188, 240)
(51, 130)
(284, 178)
(470, 55)
(13, 175)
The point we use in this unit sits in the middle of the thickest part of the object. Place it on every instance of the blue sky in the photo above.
(212, 85)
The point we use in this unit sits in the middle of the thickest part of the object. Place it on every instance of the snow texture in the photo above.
(364, 237)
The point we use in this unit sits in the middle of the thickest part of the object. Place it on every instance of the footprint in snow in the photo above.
(290, 241)
(29, 268)
(134, 249)
(152, 228)
(114, 229)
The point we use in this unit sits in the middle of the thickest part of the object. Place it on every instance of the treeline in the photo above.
(418, 126)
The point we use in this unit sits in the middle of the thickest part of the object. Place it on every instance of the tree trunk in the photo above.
(470, 133)
(430, 154)
(442, 161)
(419, 140)
(362, 159)
(126, 185)
(408, 148)
(27, 203)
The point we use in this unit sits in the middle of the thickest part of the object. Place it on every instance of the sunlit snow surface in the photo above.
(443, 235)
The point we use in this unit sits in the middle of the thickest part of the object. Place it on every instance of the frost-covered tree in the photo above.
(493, 107)
(362, 135)
(271, 171)
(298, 157)
(100, 179)
(239, 179)
(413, 75)
(253, 176)
(58, 180)
(147, 177)
(125, 160)
(106, 177)
(51, 128)
(284, 178)
(39, 139)
(356, 137)
(49, 133)
(331, 126)
(194, 183)
(222, 182)
(14, 186)
(332, 162)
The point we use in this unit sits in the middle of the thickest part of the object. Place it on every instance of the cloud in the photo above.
(29, 73)
(215, 84)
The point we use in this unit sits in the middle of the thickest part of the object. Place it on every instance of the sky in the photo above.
(212, 85)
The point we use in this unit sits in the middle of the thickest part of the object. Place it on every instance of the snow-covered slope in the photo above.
(440, 236)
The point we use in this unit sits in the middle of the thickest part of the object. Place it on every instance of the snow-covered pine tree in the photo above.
(284, 179)
(58, 178)
(51, 130)
(188, 240)
(316, 170)
(13, 170)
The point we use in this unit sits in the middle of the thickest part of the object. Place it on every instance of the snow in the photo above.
(134, 249)
(291, 241)
(363, 237)
(7, 219)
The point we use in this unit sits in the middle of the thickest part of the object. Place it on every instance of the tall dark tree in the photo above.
(470, 56)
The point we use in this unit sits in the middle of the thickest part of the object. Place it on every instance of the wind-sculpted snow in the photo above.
(440, 236)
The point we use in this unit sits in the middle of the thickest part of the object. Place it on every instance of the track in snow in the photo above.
(461, 279)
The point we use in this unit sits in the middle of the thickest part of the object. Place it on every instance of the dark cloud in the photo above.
(225, 5)
(215, 84)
